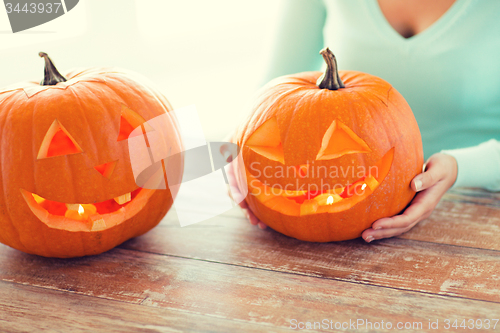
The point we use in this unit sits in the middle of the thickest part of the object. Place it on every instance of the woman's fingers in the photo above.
(254, 220)
(368, 235)
(250, 216)
(244, 205)
(426, 179)
(234, 189)
(421, 207)
(397, 225)
(439, 167)
(432, 184)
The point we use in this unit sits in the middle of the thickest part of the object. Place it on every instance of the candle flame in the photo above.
(80, 210)
(329, 201)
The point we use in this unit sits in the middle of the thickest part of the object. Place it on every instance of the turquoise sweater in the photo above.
(449, 73)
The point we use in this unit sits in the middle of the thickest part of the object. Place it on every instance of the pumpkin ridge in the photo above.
(75, 99)
(108, 119)
(4, 189)
(301, 106)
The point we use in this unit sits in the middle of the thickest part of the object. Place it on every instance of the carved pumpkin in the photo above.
(67, 185)
(323, 161)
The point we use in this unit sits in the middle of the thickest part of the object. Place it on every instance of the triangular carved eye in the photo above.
(266, 141)
(125, 129)
(130, 120)
(57, 142)
(340, 140)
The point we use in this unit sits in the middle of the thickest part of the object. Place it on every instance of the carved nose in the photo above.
(106, 169)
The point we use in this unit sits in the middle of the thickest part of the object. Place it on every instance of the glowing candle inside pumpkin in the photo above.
(329, 201)
(80, 210)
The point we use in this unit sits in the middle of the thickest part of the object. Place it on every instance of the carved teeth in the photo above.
(122, 199)
(96, 222)
(308, 207)
(72, 206)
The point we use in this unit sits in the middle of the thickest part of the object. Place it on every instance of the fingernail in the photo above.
(245, 212)
(418, 184)
(377, 227)
(369, 239)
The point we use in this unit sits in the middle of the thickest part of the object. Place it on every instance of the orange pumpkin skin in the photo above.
(89, 106)
(373, 110)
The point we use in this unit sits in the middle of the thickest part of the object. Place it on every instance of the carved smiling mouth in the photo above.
(87, 217)
(339, 198)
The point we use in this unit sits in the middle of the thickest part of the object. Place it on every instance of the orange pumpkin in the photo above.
(68, 189)
(325, 157)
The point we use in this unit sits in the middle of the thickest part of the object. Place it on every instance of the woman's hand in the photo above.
(439, 175)
(244, 206)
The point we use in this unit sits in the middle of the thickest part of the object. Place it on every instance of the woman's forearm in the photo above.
(478, 166)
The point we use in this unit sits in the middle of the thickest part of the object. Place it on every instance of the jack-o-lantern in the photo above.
(68, 189)
(324, 157)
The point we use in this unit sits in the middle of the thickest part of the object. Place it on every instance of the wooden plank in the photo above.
(338, 280)
(31, 309)
(395, 263)
(475, 196)
(460, 223)
(245, 295)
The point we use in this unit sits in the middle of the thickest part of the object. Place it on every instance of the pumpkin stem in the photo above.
(51, 74)
(330, 79)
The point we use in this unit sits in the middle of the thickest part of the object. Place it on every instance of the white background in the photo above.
(213, 54)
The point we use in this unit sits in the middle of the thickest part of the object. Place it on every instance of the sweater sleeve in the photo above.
(298, 39)
(478, 166)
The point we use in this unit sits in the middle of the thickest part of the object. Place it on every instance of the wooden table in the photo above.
(224, 275)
